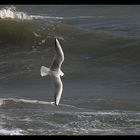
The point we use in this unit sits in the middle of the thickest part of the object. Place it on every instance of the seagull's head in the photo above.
(61, 73)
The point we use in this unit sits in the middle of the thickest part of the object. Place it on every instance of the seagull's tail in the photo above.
(44, 71)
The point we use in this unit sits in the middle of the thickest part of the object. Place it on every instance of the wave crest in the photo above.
(5, 101)
(12, 13)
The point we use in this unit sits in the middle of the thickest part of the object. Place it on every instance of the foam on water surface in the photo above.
(12, 13)
(10, 132)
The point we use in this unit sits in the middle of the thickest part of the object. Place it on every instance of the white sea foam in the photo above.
(3, 101)
(11, 132)
(36, 35)
(45, 17)
(42, 42)
(12, 13)
(33, 101)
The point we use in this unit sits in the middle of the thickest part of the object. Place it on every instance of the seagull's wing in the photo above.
(58, 88)
(58, 58)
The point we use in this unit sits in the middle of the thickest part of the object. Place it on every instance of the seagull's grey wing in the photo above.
(58, 88)
(58, 58)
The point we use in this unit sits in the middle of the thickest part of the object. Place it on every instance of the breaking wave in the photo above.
(23, 103)
(15, 102)
(12, 13)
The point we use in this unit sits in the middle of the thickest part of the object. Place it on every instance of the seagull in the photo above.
(55, 71)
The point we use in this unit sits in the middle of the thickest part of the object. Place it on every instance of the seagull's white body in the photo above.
(55, 71)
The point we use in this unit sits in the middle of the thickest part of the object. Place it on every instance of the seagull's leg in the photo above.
(55, 100)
